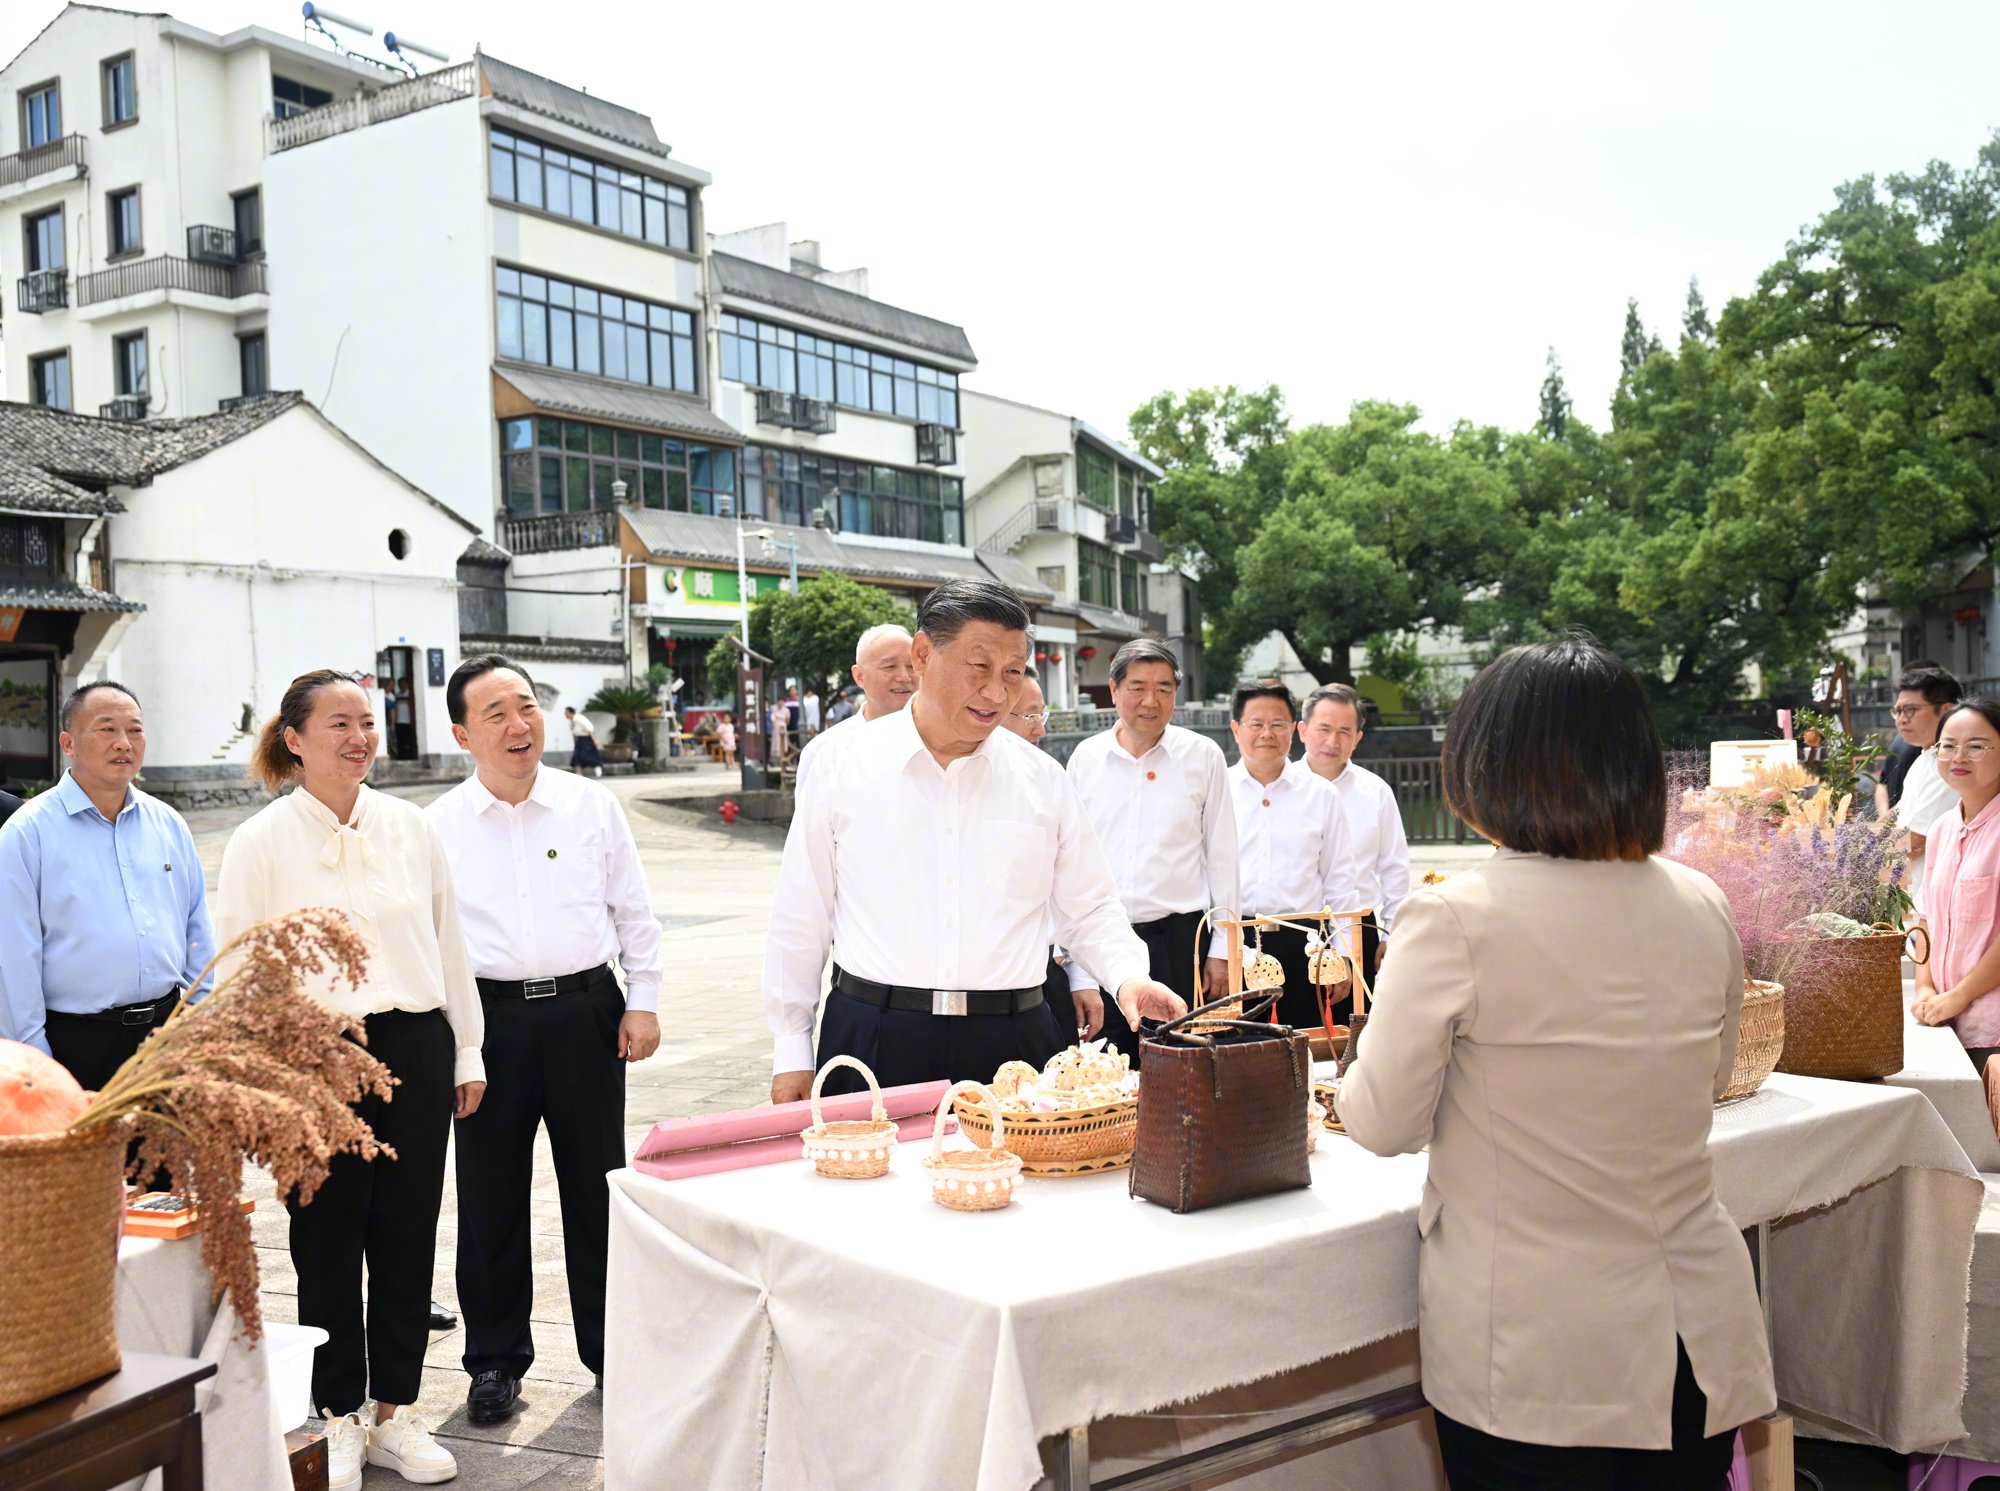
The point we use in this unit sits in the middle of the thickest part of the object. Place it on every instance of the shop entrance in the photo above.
(399, 702)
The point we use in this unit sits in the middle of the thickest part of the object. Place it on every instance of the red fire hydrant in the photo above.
(729, 810)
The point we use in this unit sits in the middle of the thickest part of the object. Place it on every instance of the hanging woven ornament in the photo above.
(1325, 963)
(1265, 972)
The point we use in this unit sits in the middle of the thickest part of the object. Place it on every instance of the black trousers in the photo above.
(1299, 1005)
(549, 1061)
(1061, 1003)
(93, 1050)
(1476, 1461)
(902, 1046)
(1170, 961)
(383, 1214)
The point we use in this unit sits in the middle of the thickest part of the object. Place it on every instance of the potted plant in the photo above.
(627, 704)
(256, 1069)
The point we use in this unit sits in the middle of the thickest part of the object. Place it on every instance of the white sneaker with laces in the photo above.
(346, 1445)
(404, 1444)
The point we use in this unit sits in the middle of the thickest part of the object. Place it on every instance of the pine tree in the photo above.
(1554, 423)
(1694, 320)
(1636, 345)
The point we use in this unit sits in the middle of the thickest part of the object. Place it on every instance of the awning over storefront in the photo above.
(1111, 623)
(62, 595)
(683, 627)
(630, 404)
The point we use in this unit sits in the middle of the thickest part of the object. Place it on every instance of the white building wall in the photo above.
(999, 432)
(382, 287)
(591, 257)
(583, 613)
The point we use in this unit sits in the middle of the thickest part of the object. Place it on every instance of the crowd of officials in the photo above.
(952, 898)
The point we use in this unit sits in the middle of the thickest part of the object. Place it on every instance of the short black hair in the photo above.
(1266, 688)
(956, 604)
(82, 691)
(1939, 686)
(478, 666)
(1142, 650)
(1553, 749)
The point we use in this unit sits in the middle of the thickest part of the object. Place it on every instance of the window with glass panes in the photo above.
(28, 546)
(41, 116)
(887, 501)
(562, 325)
(765, 355)
(121, 212)
(1095, 480)
(1128, 490)
(289, 97)
(48, 380)
(1131, 589)
(591, 191)
(253, 364)
(551, 465)
(128, 364)
(121, 97)
(1096, 575)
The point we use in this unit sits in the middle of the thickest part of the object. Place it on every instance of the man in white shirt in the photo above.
(928, 853)
(550, 889)
(883, 670)
(1158, 796)
(1925, 694)
(809, 709)
(1290, 837)
(1378, 851)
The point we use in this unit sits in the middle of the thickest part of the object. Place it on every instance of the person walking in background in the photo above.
(809, 711)
(1290, 839)
(1158, 796)
(583, 752)
(1960, 905)
(1925, 694)
(1377, 850)
(1587, 1316)
(104, 920)
(332, 841)
(550, 890)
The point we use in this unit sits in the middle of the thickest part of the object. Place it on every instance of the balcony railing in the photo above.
(211, 245)
(125, 406)
(551, 531)
(23, 165)
(1148, 546)
(225, 281)
(447, 85)
(44, 290)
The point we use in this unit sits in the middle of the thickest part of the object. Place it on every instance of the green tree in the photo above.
(1637, 344)
(724, 657)
(1554, 422)
(1695, 322)
(813, 634)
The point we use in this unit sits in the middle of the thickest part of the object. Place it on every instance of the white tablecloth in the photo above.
(785, 1331)
(1935, 1064)
(163, 1307)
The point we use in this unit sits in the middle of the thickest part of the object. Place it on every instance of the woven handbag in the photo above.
(1844, 1008)
(1219, 1111)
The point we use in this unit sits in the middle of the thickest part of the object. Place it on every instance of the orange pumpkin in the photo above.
(37, 1093)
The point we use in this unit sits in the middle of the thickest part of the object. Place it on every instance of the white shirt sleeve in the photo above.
(801, 932)
(1090, 919)
(462, 1009)
(1336, 877)
(1392, 860)
(1219, 848)
(631, 906)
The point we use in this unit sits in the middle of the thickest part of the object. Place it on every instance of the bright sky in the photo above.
(1408, 202)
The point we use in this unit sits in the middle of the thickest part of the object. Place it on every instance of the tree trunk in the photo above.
(1339, 670)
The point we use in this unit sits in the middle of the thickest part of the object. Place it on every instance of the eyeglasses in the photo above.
(1972, 750)
(1906, 711)
(1033, 714)
(1264, 727)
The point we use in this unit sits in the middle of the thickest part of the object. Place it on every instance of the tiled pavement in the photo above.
(712, 889)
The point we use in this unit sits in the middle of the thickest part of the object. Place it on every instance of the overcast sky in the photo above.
(1399, 201)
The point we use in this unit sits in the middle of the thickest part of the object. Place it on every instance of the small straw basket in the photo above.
(1760, 1038)
(972, 1179)
(858, 1149)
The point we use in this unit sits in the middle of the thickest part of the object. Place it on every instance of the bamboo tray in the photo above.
(1071, 1141)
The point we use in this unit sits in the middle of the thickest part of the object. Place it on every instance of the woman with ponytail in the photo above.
(331, 841)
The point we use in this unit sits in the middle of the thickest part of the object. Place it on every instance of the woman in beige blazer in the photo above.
(1556, 1026)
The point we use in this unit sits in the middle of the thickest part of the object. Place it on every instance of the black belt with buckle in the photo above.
(939, 1001)
(128, 1014)
(542, 988)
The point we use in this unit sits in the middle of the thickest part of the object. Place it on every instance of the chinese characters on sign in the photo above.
(704, 584)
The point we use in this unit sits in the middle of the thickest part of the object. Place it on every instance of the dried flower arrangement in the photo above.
(256, 1069)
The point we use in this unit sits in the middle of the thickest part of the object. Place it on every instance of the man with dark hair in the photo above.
(1925, 694)
(1158, 796)
(550, 890)
(1377, 849)
(103, 909)
(929, 854)
(1290, 837)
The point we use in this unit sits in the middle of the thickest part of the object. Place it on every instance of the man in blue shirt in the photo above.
(103, 913)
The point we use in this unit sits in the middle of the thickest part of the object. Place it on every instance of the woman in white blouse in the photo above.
(331, 841)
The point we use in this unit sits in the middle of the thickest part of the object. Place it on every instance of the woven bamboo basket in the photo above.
(857, 1149)
(1760, 1038)
(1071, 1141)
(972, 1179)
(63, 1196)
(1844, 1008)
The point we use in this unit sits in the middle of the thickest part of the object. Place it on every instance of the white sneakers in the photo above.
(402, 1444)
(346, 1444)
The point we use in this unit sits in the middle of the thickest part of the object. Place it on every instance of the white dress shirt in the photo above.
(1378, 852)
(935, 877)
(387, 871)
(553, 886)
(1290, 843)
(1927, 797)
(1165, 821)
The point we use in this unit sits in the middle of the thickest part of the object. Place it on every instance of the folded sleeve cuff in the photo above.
(468, 1066)
(644, 998)
(792, 1053)
(1218, 944)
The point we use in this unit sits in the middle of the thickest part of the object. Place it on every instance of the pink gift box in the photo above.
(680, 1147)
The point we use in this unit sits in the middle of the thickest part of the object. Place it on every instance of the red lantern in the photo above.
(1086, 652)
(1041, 657)
(1055, 657)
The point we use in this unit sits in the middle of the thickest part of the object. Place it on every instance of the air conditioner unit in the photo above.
(1120, 529)
(813, 416)
(937, 445)
(127, 406)
(211, 245)
(775, 408)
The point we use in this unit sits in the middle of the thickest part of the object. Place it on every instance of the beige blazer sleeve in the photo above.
(1426, 999)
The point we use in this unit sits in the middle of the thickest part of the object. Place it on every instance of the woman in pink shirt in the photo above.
(1960, 986)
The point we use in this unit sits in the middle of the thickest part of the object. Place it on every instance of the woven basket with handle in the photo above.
(62, 1196)
(856, 1149)
(1069, 1141)
(1760, 1038)
(972, 1179)
(1844, 1008)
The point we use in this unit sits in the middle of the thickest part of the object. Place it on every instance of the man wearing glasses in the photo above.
(1925, 694)
(1290, 834)
(1157, 794)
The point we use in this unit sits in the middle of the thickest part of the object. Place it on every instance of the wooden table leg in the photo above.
(184, 1472)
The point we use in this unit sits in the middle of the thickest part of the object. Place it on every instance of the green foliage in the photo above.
(1843, 757)
(625, 704)
(1554, 423)
(1637, 344)
(724, 657)
(809, 636)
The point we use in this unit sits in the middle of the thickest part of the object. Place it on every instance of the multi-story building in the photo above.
(1075, 508)
(131, 210)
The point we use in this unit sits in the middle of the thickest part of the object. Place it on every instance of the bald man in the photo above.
(887, 678)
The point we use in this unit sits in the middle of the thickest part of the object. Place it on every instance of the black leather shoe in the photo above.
(442, 1319)
(492, 1397)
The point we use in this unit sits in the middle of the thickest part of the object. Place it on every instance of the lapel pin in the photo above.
(168, 868)
(552, 854)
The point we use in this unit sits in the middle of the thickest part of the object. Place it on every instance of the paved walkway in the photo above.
(712, 889)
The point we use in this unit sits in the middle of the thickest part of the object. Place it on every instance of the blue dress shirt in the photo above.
(95, 914)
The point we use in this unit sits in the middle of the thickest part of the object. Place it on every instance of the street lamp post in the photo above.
(743, 583)
(791, 545)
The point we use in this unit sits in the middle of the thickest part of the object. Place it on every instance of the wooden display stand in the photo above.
(1320, 921)
(1767, 1444)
